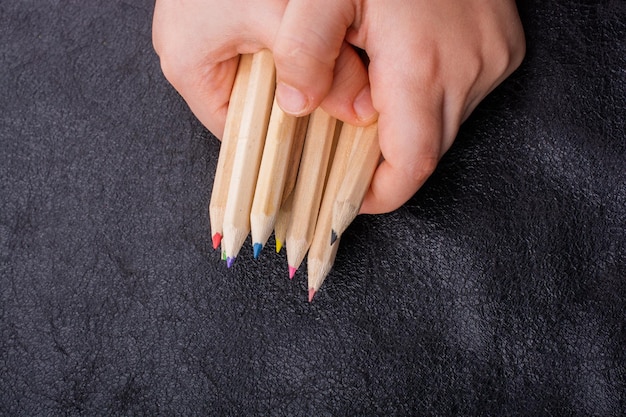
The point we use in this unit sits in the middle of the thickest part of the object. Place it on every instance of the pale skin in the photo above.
(431, 63)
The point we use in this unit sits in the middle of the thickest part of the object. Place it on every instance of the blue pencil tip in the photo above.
(257, 250)
(230, 261)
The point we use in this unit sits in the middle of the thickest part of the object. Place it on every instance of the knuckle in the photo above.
(298, 55)
(518, 50)
(505, 55)
(475, 67)
(175, 69)
(424, 61)
(422, 168)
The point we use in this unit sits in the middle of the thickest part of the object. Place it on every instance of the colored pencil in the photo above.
(364, 159)
(295, 157)
(284, 213)
(273, 172)
(322, 255)
(221, 181)
(307, 193)
(282, 222)
(253, 129)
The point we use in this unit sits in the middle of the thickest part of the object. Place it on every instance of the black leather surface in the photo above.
(499, 289)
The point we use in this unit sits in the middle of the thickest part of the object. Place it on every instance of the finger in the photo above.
(306, 49)
(205, 89)
(350, 98)
(207, 93)
(199, 50)
(410, 133)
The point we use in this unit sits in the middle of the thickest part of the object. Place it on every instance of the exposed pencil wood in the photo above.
(321, 254)
(272, 175)
(252, 132)
(296, 154)
(284, 213)
(282, 222)
(318, 268)
(308, 190)
(221, 181)
(364, 159)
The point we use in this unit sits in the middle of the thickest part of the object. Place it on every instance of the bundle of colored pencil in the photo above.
(304, 178)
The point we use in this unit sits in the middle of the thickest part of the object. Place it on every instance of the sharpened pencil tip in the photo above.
(257, 250)
(279, 245)
(311, 294)
(217, 239)
(333, 237)
(223, 255)
(292, 271)
(230, 261)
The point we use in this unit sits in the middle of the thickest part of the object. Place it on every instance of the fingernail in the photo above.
(363, 106)
(291, 100)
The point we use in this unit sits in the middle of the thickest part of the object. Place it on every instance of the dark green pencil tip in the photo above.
(333, 237)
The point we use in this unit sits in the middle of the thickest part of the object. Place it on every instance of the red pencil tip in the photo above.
(217, 239)
(311, 294)
(292, 271)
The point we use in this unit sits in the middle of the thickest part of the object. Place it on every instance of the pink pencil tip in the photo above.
(311, 294)
(217, 239)
(292, 271)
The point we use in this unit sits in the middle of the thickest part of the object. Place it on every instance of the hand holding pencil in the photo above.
(430, 65)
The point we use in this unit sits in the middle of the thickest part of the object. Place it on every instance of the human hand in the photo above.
(431, 63)
(199, 41)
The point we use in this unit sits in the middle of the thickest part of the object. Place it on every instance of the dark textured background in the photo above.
(499, 289)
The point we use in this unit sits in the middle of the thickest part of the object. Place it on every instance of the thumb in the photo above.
(306, 48)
